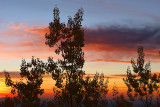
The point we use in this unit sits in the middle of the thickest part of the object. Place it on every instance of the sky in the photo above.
(113, 31)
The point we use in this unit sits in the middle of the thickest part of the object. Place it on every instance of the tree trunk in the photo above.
(71, 100)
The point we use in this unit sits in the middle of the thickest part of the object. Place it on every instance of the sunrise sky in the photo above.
(113, 31)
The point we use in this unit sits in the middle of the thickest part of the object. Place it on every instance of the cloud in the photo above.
(102, 44)
(117, 61)
(28, 41)
(38, 30)
(15, 44)
(120, 36)
(117, 44)
(120, 43)
(130, 10)
(120, 76)
(15, 27)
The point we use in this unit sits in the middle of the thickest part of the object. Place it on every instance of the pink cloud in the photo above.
(15, 27)
(101, 44)
(38, 30)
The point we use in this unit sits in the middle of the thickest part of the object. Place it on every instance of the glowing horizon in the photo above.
(113, 30)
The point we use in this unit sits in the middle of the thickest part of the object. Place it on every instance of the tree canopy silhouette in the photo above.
(29, 89)
(142, 83)
(69, 40)
(67, 71)
(96, 90)
(119, 100)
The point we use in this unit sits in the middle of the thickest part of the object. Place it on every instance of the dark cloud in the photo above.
(117, 43)
(124, 37)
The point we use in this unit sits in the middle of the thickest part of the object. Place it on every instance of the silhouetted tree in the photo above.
(95, 91)
(142, 84)
(29, 89)
(119, 100)
(69, 40)
(67, 71)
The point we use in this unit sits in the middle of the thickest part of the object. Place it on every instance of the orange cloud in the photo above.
(15, 27)
(38, 30)
(28, 41)
(107, 41)
(102, 60)
(101, 45)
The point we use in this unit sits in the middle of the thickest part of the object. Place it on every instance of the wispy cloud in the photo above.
(111, 44)
(102, 60)
(129, 10)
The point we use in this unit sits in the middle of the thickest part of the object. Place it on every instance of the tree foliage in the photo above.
(69, 40)
(95, 90)
(119, 100)
(29, 89)
(67, 71)
(142, 83)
